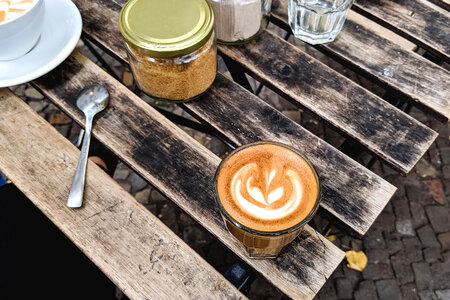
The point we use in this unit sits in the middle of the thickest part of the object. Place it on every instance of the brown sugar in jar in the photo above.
(171, 47)
(179, 78)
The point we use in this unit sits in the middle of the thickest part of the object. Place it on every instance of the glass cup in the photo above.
(317, 21)
(264, 244)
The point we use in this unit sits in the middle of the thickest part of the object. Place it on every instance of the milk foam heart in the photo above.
(11, 9)
(267, 187)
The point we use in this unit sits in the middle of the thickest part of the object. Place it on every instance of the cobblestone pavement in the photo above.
(408, 246)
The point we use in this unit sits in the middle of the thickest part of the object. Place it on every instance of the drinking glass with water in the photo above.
(317, 21)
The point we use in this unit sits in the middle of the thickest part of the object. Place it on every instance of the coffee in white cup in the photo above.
(20, 26)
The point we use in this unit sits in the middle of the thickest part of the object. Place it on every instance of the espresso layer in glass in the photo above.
(267, 187)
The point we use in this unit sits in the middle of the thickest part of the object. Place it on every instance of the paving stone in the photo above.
(378, 271)
(409, 291)
(127, 78)
(418, 115)
(443, 294)
(401, 210)
(374, 239)
(121, 174)
(143, 196)
(436, 190)
(157, 196)
(378, 255)
(169, 217)
(444, 239)
(445, 155)
(33, 94)
(441, 274)
(366, 290)
(424, 169)
(432, 255)
(37, 106)
(137, 183)
(427, 295)
(388, 290)
(260, 289)
(63, 129)
(402, 268)
(393, 243)
(410, 242)
(418, 214)
(439, 218)
(328, 291)
(446, 171)
(59, 118)
(415, 193)
(356, 244)
(427, 237)
(294, 115)
(405, 227)
(352, 275)
(185, 220)
(126, 186)
(344, 289)
(423, 277)
(385, 221)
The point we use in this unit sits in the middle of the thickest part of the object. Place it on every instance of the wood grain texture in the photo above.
(129, 244)
(349, 191)
(445, 4)
(384, 130)
(419, 21)
(387, 132)
(385, 58)
(357, 201)
(183, 170)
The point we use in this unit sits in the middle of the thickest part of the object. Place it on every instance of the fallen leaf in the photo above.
(331, 238)
(356, 260)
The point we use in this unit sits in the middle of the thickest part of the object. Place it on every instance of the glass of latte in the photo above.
(266, 192)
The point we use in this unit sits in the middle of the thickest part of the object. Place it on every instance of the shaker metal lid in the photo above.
(166, 28)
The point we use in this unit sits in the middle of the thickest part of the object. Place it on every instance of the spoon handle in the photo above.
(77, 189)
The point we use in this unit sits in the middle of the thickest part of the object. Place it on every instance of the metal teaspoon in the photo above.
(92, 100)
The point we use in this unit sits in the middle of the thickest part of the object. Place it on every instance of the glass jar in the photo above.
(171, 47)
(240, 21)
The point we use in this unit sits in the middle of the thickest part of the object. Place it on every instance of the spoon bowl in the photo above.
(93, 99)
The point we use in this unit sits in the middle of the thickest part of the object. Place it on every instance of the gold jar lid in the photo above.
(166, 28)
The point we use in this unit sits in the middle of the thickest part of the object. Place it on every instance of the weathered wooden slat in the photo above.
(183, 170)
(350, 192)
(129, 244)
(419, 21)
(387, 132)
(386, 58)
(384, 130)
(358, 210)
(445, 4)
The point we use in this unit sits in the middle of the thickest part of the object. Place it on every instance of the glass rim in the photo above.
(345, 5)
(302, 223)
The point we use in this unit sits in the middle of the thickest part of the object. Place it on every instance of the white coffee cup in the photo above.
(21, 34)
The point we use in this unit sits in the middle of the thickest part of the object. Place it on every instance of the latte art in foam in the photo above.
(10, 9)
(267, 187)
(277, 194)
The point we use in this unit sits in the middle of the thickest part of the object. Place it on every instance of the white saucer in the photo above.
(60, 34)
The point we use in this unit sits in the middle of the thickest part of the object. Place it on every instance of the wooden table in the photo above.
(379, 41)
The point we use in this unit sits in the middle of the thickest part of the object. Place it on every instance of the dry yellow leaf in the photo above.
(331, 238)
(356, 260)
